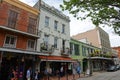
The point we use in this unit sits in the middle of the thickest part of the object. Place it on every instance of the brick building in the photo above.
(118, 50)
(18, 36)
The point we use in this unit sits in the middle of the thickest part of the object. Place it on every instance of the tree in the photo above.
(105, 12)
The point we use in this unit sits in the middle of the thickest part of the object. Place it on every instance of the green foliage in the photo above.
(100, 11)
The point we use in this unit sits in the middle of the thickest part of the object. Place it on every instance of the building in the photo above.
(115, 57)
(96, 37)
(54, 32)
(89, 56)
(18, 37)
(118, 50)
(83, 53)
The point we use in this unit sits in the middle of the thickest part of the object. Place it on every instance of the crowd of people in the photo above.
(48, 72)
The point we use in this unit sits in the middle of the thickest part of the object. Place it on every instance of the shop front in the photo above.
(101, 63)
(56, 63)
(18, 60)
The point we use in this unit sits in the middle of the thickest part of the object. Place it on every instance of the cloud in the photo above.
(29, 2)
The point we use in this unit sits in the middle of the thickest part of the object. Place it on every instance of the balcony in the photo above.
(47, 48)
(32, 31)
(18, 31)
(65, 52)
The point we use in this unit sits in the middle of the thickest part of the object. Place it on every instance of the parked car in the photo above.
(118, 67)
(112, 68)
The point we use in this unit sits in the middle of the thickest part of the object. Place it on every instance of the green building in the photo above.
(83, 54)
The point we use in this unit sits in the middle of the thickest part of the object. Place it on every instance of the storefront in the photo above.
(19, 61)
(55, 63)
(101, 63)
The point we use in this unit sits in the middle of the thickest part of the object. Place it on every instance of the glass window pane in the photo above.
(12, 42)
(7, 40)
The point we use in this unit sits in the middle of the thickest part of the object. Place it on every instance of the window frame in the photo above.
(46, 39)
(55, 25)
(55, 42)
(29, 48)
(63, 28)
(32, 28)
(10, 45)
(12, 18)
(77, 49)
(47, 20)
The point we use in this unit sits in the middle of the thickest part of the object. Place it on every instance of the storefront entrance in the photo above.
(18, 62)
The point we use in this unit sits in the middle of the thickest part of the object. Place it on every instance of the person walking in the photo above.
(61, 71)
(28, 74)
(78, 70)
(37, 75)
(74, 73)
(12, 74)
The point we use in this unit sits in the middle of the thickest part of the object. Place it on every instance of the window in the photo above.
(46, 21)
(55, 25)
(31, 44)
(46, 39)
(32, 26)
(63, 28)
(71, 48)
(63, 45)
(10, 41)
(55, 42)
(12, 19)
(76, 46)
(83, 50)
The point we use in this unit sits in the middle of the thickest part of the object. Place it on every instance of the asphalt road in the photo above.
(104, 76)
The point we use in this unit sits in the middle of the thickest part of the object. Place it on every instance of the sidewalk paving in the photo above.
(66, 77)
(71, 77)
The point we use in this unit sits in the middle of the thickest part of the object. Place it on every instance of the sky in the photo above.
(77, 26)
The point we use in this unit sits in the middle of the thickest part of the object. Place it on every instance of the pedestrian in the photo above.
(78, 70)
(37, 75)
(49, 70)
(28, 74)
(74, 72)
(12, 74)
(61, 71)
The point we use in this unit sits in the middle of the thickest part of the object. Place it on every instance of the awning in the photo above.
(56, 58)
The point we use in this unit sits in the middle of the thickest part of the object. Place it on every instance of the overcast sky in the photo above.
(77, 26)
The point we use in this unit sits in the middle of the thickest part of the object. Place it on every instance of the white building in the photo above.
(54, 30)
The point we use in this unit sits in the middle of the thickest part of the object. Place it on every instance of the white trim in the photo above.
(101, 58)
(34, 44)
(57, 60)
(14, 30)
(21, 51)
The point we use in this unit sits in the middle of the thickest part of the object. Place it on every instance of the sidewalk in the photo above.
(66, 77)
(71, 77)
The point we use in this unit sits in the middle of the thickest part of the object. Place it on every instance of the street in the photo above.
(104, 76)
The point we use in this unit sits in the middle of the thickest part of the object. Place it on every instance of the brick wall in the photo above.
(22, 25)
(118, 49)
(23, 16)
(21, 39)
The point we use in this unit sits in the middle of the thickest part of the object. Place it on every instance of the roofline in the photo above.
(22, 5)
